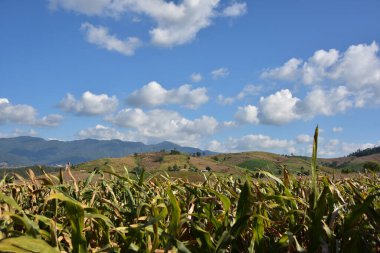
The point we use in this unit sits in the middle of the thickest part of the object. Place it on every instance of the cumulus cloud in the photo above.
(51, 120)
(248, 90)
(225, 100)
(247, 114)
(216, 146)
(329, 147)
(235, 10)
(89, 104)
(160, 125)
(282, 107)
(100, 36)
(337, 129)
(252, 142)
(278, 108)
(196, 77)
(220, 73)
(176, 22)
(18, 132)
(289, 71)
(229, 124)
(347, 147)
(25, 115)
(153, 94)
(318, 66)
(304, 138)
(357, 69)
(321, 102)
(88, 7)
(101, 132)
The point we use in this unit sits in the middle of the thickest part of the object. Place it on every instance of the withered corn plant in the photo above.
(161, 214)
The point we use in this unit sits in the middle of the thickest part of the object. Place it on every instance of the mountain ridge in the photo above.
(27, 150)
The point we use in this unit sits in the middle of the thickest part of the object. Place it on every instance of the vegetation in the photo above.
(23, 171)
(257, 164)
(365, 152)
(116, 213)
(373, 166)
(219, 215)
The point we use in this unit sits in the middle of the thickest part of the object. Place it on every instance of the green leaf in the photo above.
(75, 214)
(225, 200)
(11, 202)
(314, 175)
(356, 214)
(246, 202)
(25, 244)
(31, 228)
(205, 239)
(175, 214)
(89, 179)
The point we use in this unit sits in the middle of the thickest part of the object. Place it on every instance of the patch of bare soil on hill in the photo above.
(202, 163)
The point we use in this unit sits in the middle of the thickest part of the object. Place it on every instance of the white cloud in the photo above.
(153, 94)
(304, 138)
(161, 125)
(278, 108)
(337, 129)
(100, 36)
(88, 7)
(176, 23)
(248, 90)
(196, 77)
(225, 100)
(321, 102)
(289, 71)
(318, 65)
(101, 132)
(348, 148)
(89, 104)
(25, 114)
(229, 124)
(247, 114)
(18, 132)
(235, 10)
(282, 107)
(337, 148)
(22, 114)
(216, 146)
(357, 69)
(179, 24)
(252, 142)
(50, 120)
(220, 73)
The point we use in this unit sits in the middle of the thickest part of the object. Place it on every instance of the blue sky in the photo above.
(221, 75)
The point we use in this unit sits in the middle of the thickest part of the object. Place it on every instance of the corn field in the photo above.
(116, 213)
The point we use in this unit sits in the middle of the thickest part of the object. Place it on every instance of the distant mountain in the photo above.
(25, 150)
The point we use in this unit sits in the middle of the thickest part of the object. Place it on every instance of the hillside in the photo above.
(350, 162)
(183, 164)
(27, 151)
(230, 163)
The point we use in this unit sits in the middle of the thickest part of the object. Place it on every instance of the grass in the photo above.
(112, 212)
(257, 164)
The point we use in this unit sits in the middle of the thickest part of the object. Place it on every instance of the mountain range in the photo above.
(25, 150)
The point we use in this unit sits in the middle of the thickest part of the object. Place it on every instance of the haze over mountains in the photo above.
(25, 151)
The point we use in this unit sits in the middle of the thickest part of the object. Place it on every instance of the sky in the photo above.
(222, 75)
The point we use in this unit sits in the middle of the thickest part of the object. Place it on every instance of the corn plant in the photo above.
(112, 212)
